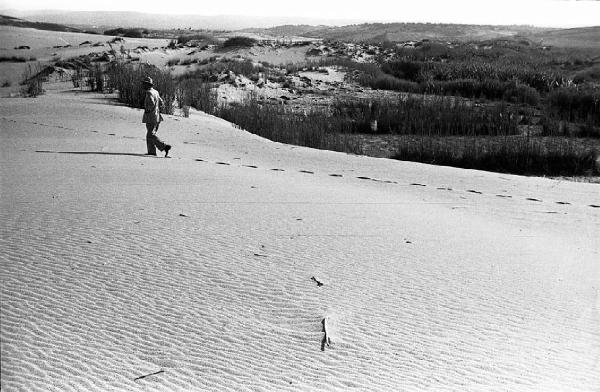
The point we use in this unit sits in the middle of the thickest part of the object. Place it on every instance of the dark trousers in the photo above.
(152, 140)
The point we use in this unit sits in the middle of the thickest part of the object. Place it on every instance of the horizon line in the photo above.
(345, 21)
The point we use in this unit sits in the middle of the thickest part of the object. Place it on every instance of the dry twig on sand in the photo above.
(148, 375)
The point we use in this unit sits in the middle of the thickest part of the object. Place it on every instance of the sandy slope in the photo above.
(44, 51)
(116, 265)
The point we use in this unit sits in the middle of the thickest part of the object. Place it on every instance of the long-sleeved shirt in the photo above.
(152, 103)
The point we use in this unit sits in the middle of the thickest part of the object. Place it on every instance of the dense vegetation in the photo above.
(564, 81)
(508, 107)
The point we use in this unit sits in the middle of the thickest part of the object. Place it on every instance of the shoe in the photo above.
(151, 154)
(167, 149)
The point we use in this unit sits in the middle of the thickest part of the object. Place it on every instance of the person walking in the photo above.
(152, 118)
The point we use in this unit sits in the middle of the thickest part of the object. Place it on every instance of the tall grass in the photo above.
(126, 78)
(276, 123)
(33, 77)
(516, 154)
(425, 115)
(478, 69)
(197, 94)
(575, 104)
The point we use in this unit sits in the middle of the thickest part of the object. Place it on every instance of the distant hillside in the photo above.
(584, 37)
(404, 31)
(108, 19)
(10, 21)
(290, 30)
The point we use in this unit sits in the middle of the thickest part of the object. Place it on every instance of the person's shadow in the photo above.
(132, 154)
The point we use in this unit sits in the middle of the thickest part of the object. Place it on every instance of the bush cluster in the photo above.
(130, 33)
(239, 42)
(210, 69)
(16, 59)
(204, 38)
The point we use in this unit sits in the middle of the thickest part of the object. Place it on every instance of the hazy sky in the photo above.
(536, 12)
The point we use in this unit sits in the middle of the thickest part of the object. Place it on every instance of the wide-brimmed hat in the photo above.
(147, 80)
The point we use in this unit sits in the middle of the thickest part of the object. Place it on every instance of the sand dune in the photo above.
(122, 272)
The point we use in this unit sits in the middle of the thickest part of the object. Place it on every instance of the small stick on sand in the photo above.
(326, 340)
(148, 375)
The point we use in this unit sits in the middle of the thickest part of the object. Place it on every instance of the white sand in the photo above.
(42, 44)
(104, 281)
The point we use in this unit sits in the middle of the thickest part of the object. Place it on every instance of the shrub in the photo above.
(519, 93)
(187, 61)
(134, 33)
(130, 33)
(12, 59)
(117, 31)
(389, 82)
(239, 67)
(410, 70)
(237, 42)
(586, 76)
(203, 38)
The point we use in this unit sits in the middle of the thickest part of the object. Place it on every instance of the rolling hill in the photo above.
(12, 21)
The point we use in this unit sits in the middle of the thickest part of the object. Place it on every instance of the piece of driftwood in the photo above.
(326, 339)
(148, 375)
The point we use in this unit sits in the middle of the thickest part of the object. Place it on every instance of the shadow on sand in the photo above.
(131, 154)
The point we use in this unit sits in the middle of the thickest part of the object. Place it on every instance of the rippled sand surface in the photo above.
(217, 269)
